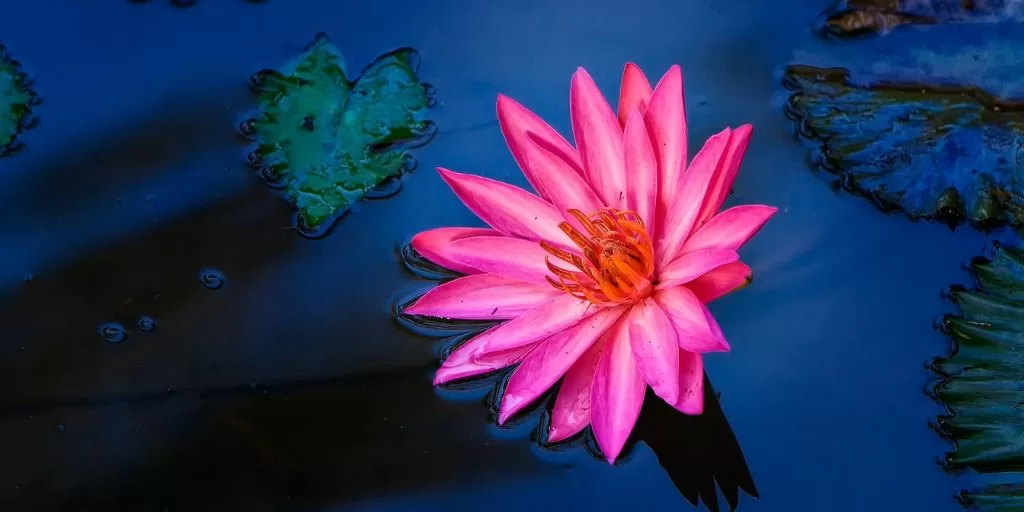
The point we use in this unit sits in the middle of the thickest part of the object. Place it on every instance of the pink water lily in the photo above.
(602, 274)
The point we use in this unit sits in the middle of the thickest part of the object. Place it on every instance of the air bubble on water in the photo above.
(28, 276)
(145, 323)
(60, 427)
(212, 279)
(112, 332)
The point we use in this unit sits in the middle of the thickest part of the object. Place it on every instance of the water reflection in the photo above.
(697, 452)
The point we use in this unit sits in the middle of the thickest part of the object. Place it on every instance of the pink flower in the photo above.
(602, 275)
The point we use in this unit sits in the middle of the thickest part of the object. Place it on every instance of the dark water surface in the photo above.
(291, 387)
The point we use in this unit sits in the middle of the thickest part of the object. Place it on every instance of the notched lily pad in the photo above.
(16, 101)
(982, 379)
(852, 18)
(328, 140)
(943, 152)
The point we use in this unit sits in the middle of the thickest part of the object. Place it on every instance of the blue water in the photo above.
(291, 388)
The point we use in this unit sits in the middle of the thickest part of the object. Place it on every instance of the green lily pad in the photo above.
(16, 101)
(328, 140)
(914, 147)
(982, 379)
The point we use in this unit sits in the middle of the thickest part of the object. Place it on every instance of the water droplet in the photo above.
(211, 279)
(112, 332)
(145, 323)
(60, 428)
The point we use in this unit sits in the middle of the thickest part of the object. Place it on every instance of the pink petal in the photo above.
(634, 93)
(551, 359)
(666, 124)
(516, 121)
(721, 184)
(696, 330)
(653, 340)
(450, 373)
(431, 243)
(538, 324)
(513, 258)
(598, 139)
(692, 265)
(510, 210)
(691, 384)
(571, 412)
(567, 188)
(641, 169)
(720, 281)
(617, 394)
(482, 297)
(678, 220)
(731, 228)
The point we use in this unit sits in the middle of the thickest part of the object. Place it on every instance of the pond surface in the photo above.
(282, 381)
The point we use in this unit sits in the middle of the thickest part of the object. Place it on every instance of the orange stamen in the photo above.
(616, 260)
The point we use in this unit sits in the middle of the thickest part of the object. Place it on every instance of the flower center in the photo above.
(617, 262)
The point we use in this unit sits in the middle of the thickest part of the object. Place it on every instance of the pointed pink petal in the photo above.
(551, 359)
(653, 340)
(538, 324)
(691, 384)
(511, 210)
(731, 228)
(666, 124)
(692, 265)
(678, 220)
(571, 412)
(431, 244)
(504, 256)
(696, 330)
(567, 189)
(617, 394)
(515, 122)
(721, 184)
(720, 281)
(482, 297)
(450, 373)
(634, 93)
(598, 139)
(641, 169)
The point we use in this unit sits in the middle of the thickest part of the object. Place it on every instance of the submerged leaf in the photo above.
(16, 101)
(329, 141)
(851, 18)
(943, 152)
(982, 382)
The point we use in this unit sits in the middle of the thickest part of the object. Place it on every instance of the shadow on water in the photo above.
(697, 451)
(90, 438)
(154, 275)
(275, 446)
(194, 123)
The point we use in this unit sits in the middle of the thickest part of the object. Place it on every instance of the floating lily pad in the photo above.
(946, 152)
(328, 140)
(982, 379)
(16, 101)
(984, 56)
(851, 18)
